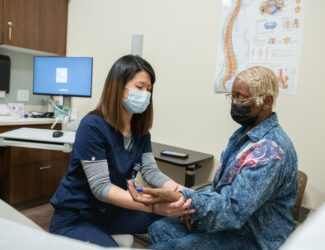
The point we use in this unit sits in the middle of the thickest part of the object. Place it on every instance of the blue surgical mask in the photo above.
(137, 102)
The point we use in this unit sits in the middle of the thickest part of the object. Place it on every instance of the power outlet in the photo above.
(22, 95)
(16, 109)
(2, 94)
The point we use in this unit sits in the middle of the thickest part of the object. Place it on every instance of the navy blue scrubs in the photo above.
(78, 214)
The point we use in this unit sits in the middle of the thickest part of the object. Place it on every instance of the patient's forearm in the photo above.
(172, 185)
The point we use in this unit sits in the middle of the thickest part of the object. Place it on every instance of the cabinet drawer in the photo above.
(60, 155)
(29, 155)
(34, 181)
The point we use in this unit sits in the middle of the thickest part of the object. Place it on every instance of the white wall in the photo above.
(180, 41)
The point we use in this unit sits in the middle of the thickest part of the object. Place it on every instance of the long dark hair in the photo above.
(110, 104)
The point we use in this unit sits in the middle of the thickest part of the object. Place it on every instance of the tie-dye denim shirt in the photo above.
(254, 187)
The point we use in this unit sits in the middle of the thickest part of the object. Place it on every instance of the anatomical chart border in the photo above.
(260, 32)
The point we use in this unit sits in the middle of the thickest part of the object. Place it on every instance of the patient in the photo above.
(249, 203)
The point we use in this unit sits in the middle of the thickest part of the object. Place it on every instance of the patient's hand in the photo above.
(177, 208)
(164, 202)
(149, 196)
(188, 222)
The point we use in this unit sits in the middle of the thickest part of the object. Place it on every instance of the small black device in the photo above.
(174, 154)
(57, 134)
(35, 114)
(134, 171)
(4, 73)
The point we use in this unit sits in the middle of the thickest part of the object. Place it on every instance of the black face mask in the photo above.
(242, 115)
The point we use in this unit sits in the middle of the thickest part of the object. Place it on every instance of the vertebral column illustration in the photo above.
(231, 64)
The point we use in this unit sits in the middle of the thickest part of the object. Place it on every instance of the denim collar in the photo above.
(258, 132)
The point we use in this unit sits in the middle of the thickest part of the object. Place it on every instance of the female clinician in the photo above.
(112, 143)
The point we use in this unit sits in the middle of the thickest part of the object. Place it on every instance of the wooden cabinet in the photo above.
(29, 175)
(37, 180)
(1, 19)
(35, 24)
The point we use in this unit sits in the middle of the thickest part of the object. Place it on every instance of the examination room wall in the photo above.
(180, 41)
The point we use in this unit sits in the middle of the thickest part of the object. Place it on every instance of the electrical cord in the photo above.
(51, 101)
(64, 113)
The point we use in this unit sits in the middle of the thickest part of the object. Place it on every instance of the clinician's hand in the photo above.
(164, 202)
(149, 196)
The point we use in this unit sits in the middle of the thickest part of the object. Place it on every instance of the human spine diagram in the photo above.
(260, 32)
(283, 79)
(230, 59)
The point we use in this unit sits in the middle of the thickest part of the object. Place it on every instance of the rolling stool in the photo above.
(123, 240)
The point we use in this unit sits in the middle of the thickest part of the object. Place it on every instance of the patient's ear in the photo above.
(268, 102)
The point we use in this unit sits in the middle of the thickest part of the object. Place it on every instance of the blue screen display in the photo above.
(69, 76)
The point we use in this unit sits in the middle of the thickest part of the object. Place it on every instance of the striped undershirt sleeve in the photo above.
(98, 178)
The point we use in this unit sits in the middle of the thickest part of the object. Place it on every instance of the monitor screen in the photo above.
(66, 76)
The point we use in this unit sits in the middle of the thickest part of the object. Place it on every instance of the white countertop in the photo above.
(9, 121)
(36, 134)
(38, 138)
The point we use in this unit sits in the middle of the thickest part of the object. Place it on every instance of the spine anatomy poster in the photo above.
(260, 32)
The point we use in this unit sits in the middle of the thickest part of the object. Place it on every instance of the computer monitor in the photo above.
(63, 76)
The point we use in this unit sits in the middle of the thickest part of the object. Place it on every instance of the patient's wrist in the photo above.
(147, 209)
(181, 195)
(186, 192)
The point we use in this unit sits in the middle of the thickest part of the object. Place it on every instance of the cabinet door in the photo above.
(51, 174)
(1, 19)
(4, 173)
(36, 24)
(25, 183)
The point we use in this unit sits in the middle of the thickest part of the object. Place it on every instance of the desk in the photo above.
(32, 163)
(191, 163)
(37, 138)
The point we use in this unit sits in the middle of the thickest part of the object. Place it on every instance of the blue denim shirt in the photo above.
(254, 187)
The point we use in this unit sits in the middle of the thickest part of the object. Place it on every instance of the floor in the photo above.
(42, 214)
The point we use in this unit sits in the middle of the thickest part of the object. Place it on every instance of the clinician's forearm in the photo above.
(121, 198)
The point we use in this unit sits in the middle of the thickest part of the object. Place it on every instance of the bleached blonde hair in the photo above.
(261, 82)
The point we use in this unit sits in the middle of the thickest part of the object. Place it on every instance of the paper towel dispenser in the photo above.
(4, 73)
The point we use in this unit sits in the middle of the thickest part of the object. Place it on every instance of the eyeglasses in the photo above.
(238, 100)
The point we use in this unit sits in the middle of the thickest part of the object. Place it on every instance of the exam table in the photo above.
(19, 232)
